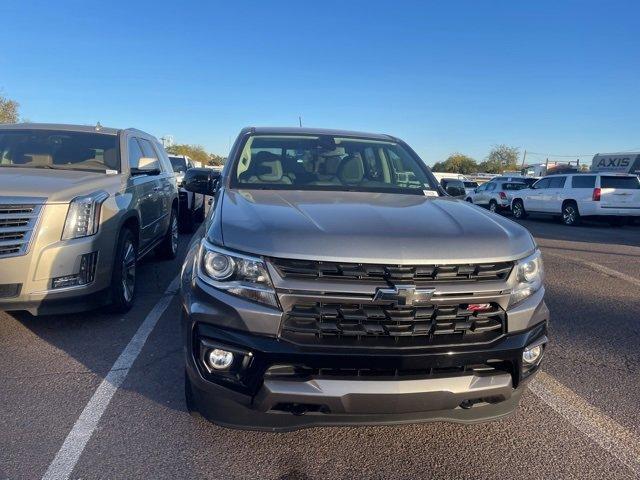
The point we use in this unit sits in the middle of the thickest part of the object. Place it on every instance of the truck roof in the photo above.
(315, 131)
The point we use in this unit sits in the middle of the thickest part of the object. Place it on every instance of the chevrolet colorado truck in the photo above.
(335, 283)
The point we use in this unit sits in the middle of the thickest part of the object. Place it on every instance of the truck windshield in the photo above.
(62, 150)
(297, 162)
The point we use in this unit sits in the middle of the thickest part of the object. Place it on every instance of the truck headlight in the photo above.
(83, 217)
(529, 277)
(236, 273)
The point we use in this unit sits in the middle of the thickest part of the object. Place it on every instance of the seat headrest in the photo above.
(351, 170)
(266, 166)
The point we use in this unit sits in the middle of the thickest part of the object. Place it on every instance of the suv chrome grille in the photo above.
(17, 223)
(390, 325)
(305, 269)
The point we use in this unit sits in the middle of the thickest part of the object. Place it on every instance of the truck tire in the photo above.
(187, 222)
(168, 248)
(200, 213)
(570, 213)
(123, 274)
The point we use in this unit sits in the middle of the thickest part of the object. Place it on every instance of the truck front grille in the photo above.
(308, 269)
(17, 223)
(391, 325)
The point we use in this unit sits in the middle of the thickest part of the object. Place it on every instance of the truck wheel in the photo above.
(570, 214)
(168, 249)
(493, 206)
(187, 220)
(517, 209)
(123, 274)
(200, 213)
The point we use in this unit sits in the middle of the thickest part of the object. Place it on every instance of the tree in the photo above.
(8, 110)
(457, 163)
(501, 158)
(197, 153)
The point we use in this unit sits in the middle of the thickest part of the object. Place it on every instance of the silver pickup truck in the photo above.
(335, 283)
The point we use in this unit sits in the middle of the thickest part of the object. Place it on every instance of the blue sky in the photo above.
(546, 76)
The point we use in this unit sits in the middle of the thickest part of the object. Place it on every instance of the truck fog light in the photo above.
(219, 359)
(532, 355)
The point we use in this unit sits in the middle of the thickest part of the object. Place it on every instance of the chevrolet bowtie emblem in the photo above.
(403, 295)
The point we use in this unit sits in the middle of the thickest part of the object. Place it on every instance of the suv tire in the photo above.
(517, 209)
(123, 274)
(570, 214)
(493, 206)
(168, 248)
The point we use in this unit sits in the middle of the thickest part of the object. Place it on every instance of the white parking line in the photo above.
(68, 455)
(600, 428)
(597, 267)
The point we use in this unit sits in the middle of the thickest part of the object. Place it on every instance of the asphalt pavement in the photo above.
(579, 419)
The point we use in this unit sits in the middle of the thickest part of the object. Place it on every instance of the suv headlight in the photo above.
(83, 217)
(529, 277)
(236, 273)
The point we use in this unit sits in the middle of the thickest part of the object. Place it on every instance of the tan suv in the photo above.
(79, 207)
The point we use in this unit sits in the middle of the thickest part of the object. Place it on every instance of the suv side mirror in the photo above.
(147, 166)
(201, 180)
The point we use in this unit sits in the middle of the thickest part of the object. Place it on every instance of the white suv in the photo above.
(571, 197)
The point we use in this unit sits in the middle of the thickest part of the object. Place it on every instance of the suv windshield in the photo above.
(179, 164)
(304, 162)
(59, 150)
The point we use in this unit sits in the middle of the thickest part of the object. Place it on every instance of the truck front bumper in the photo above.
(279, 386)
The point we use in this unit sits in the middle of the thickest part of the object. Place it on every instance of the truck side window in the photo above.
(149, 152)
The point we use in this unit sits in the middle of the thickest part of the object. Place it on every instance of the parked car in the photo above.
(495, 196)
(615, 197)
(192, 205)
(336, 283)
(453, 187)
(79, 207)
(516, 178)
(470, 186)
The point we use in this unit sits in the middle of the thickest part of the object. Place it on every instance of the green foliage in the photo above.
(196, 153)
(456, 163)
(501, 158)
(9, 110)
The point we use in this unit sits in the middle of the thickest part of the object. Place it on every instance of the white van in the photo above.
(573, 196)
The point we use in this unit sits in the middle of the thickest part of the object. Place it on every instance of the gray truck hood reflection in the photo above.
(367, 228)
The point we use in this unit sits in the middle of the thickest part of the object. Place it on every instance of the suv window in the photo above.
(59, 150)
(491, 187)
(583, 181)
(149, 152)
(557, 182)
(135, 152)
(542, 183)
(627, 183)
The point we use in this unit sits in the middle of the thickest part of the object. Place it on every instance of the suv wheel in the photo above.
(493, 206)
(518, 209)
(123, 275)
(169, 246)
(570, 214)
(469, 200)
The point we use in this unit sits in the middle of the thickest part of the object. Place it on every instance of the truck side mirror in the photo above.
(201, 180)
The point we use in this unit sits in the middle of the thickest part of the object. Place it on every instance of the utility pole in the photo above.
(300, 121)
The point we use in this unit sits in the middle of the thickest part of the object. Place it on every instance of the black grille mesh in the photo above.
(371, 324)
(370, 272)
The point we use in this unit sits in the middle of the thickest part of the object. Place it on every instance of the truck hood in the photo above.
(367, 228)
(56, 186)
